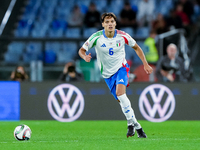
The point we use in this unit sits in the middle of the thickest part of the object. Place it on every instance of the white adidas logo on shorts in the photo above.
(121, 80)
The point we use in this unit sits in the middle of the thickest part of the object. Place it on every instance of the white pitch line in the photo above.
(149, 139)
(38, 141)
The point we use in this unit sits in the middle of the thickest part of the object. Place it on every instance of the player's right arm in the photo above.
(82, 54)
(91, 42)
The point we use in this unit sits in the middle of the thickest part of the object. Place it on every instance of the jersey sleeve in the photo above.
(129, 40)
(91, 41)
(87, 45)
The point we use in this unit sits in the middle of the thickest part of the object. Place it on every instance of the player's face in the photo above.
(109, 24)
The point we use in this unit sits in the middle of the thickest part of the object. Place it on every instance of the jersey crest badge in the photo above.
(118, 43)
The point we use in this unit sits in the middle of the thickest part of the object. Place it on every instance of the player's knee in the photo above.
(120, 89)
(119, 93)
(124, 101)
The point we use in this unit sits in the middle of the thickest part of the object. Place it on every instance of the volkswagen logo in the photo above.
(156, 103)
(65, 103)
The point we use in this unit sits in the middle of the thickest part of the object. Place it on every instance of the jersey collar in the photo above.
(107, 37)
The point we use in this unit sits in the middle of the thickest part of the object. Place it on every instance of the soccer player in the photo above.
(109, 45)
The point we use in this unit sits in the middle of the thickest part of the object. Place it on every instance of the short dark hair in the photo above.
(127, 3)
(110, 14)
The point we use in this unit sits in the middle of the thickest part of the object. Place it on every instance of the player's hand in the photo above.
(88, 57)
(148, 69)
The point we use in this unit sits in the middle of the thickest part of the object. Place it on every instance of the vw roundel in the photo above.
(156, 103)
(65, 103)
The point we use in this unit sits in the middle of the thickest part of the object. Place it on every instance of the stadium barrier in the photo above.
(66, 102)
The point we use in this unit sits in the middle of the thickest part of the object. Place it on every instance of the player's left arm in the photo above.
(140, 53)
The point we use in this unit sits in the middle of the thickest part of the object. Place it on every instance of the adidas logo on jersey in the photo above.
(121, 80)
(104, 45)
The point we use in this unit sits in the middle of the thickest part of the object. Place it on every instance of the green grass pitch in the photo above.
(102, 135)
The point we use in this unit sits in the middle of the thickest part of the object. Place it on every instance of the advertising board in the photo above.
(9, 100)
(93, 101)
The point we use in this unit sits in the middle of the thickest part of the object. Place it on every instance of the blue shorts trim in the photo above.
(120, 77)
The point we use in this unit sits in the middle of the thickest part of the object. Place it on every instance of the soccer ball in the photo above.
(22, 132)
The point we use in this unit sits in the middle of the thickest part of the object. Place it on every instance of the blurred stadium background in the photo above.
(37, 32)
